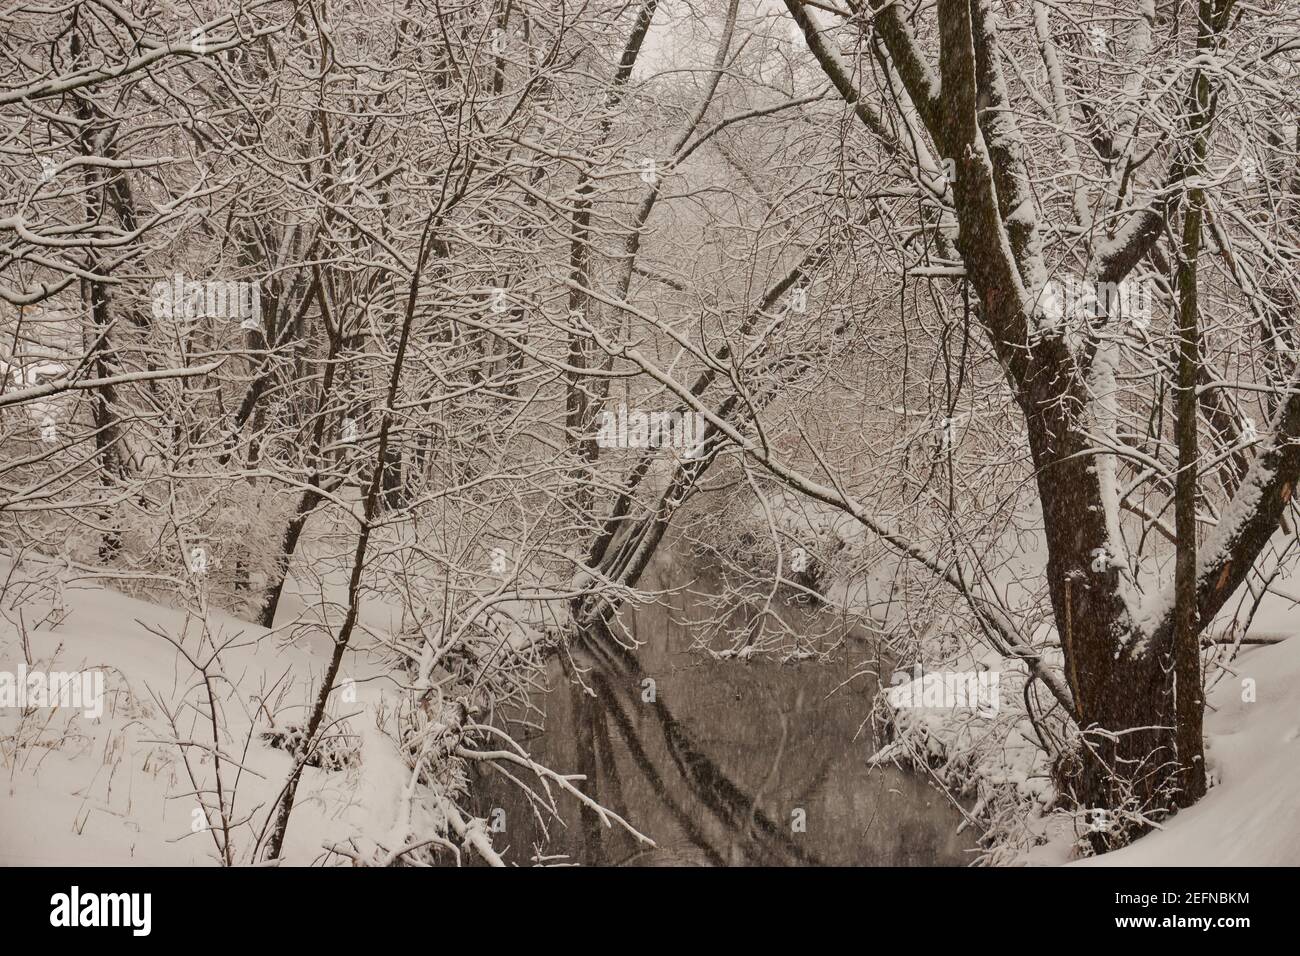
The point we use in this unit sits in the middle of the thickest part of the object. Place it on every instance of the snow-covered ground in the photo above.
(115, 791)
(1252, 817)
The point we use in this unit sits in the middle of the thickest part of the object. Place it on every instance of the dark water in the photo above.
(732, 764)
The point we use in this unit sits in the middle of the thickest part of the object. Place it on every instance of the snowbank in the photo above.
(1252, 817)
(114, 791)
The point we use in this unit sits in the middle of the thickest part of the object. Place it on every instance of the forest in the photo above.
(619, 432)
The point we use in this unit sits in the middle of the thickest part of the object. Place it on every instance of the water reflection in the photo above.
(731, 764)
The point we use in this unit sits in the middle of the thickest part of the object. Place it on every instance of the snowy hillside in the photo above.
(116, 791)
(1252, 817)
